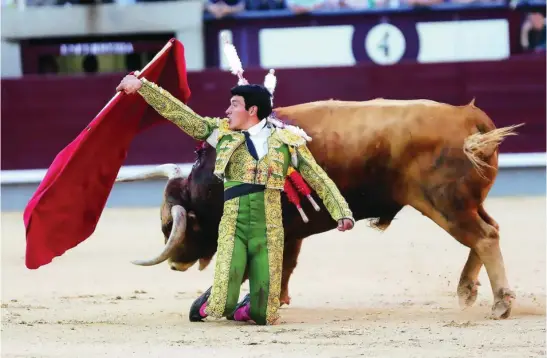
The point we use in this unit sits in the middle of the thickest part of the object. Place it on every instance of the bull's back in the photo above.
(348, 132)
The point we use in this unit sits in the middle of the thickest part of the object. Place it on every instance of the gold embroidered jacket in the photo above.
(233, 161)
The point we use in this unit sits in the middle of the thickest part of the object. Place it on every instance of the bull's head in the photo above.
(190, 212)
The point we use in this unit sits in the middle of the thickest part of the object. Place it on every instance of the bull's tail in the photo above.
(169, 171)
(479, 147)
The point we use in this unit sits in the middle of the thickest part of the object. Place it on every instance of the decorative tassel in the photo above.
(270, 81)
(233, 60)
(293, 197)
(302, 187)
(199, 146)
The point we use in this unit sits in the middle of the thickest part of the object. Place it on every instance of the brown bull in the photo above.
(383, 154)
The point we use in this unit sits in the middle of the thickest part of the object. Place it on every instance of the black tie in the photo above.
(250, 145)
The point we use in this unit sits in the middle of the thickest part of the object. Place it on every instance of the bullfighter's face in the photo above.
(238, 116)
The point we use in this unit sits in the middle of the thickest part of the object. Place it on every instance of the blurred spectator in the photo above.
(133, 62)
(265, 4)
(90, 64)
(222, 8)
(532, 36)
(40, 2)
(304, 6)
(423, 3)
(47, 64)
(358, 4)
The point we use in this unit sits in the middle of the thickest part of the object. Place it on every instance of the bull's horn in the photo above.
(168, 171)
(203, 263)
(176, 238)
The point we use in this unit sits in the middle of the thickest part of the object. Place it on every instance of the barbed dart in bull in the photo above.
(302, 187)
(292, 195)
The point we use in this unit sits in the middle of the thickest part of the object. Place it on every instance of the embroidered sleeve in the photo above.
(323, 185)
(177, 112)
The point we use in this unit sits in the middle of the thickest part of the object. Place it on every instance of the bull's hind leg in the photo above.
(482, 237)
(468, 287)
(488, 249)
(469, 283)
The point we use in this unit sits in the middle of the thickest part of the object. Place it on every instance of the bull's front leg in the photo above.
(290, 260)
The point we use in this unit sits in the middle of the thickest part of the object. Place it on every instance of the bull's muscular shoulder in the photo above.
(289, 137)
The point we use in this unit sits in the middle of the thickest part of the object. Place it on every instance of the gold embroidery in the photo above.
(225, 150)
(277, 162)
(242, 166)
(226, 240)
(323, 185)
(223, 126)
(177, 112)
(223, 129)
(275, 238)
(262, 172)
(237, 164)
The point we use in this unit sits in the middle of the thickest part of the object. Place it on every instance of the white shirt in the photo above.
(259, 134)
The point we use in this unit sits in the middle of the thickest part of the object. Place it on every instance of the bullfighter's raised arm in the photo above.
(171, 108)
(325, 188)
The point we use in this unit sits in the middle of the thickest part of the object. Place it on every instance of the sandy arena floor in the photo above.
(359, 293)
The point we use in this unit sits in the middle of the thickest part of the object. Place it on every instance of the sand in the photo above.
(360, 293)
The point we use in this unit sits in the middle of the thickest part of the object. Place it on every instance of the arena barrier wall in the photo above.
(35, 176)
(520, 174)
(41, 115)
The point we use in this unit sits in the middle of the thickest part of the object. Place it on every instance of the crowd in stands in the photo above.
(221, 8)
(533, 31)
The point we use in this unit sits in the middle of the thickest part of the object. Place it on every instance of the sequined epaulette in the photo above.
(290, 138)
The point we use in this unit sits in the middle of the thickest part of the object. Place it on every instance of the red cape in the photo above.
(68, 203)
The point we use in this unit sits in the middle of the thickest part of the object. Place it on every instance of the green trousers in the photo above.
(250, 235)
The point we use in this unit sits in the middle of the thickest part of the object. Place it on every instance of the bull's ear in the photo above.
(193, 221)
(204, 262)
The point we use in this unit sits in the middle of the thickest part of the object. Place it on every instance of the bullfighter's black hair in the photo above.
(255, 95)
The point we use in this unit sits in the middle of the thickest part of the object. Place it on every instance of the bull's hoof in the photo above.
(285, 299)
(467, 292)
(503, 304)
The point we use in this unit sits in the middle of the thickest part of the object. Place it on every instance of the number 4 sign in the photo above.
(385, 44)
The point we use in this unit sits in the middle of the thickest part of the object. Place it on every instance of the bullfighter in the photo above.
(253, 160)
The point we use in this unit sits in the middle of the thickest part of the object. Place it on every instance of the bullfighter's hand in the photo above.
(345, 224)
(129, 84)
